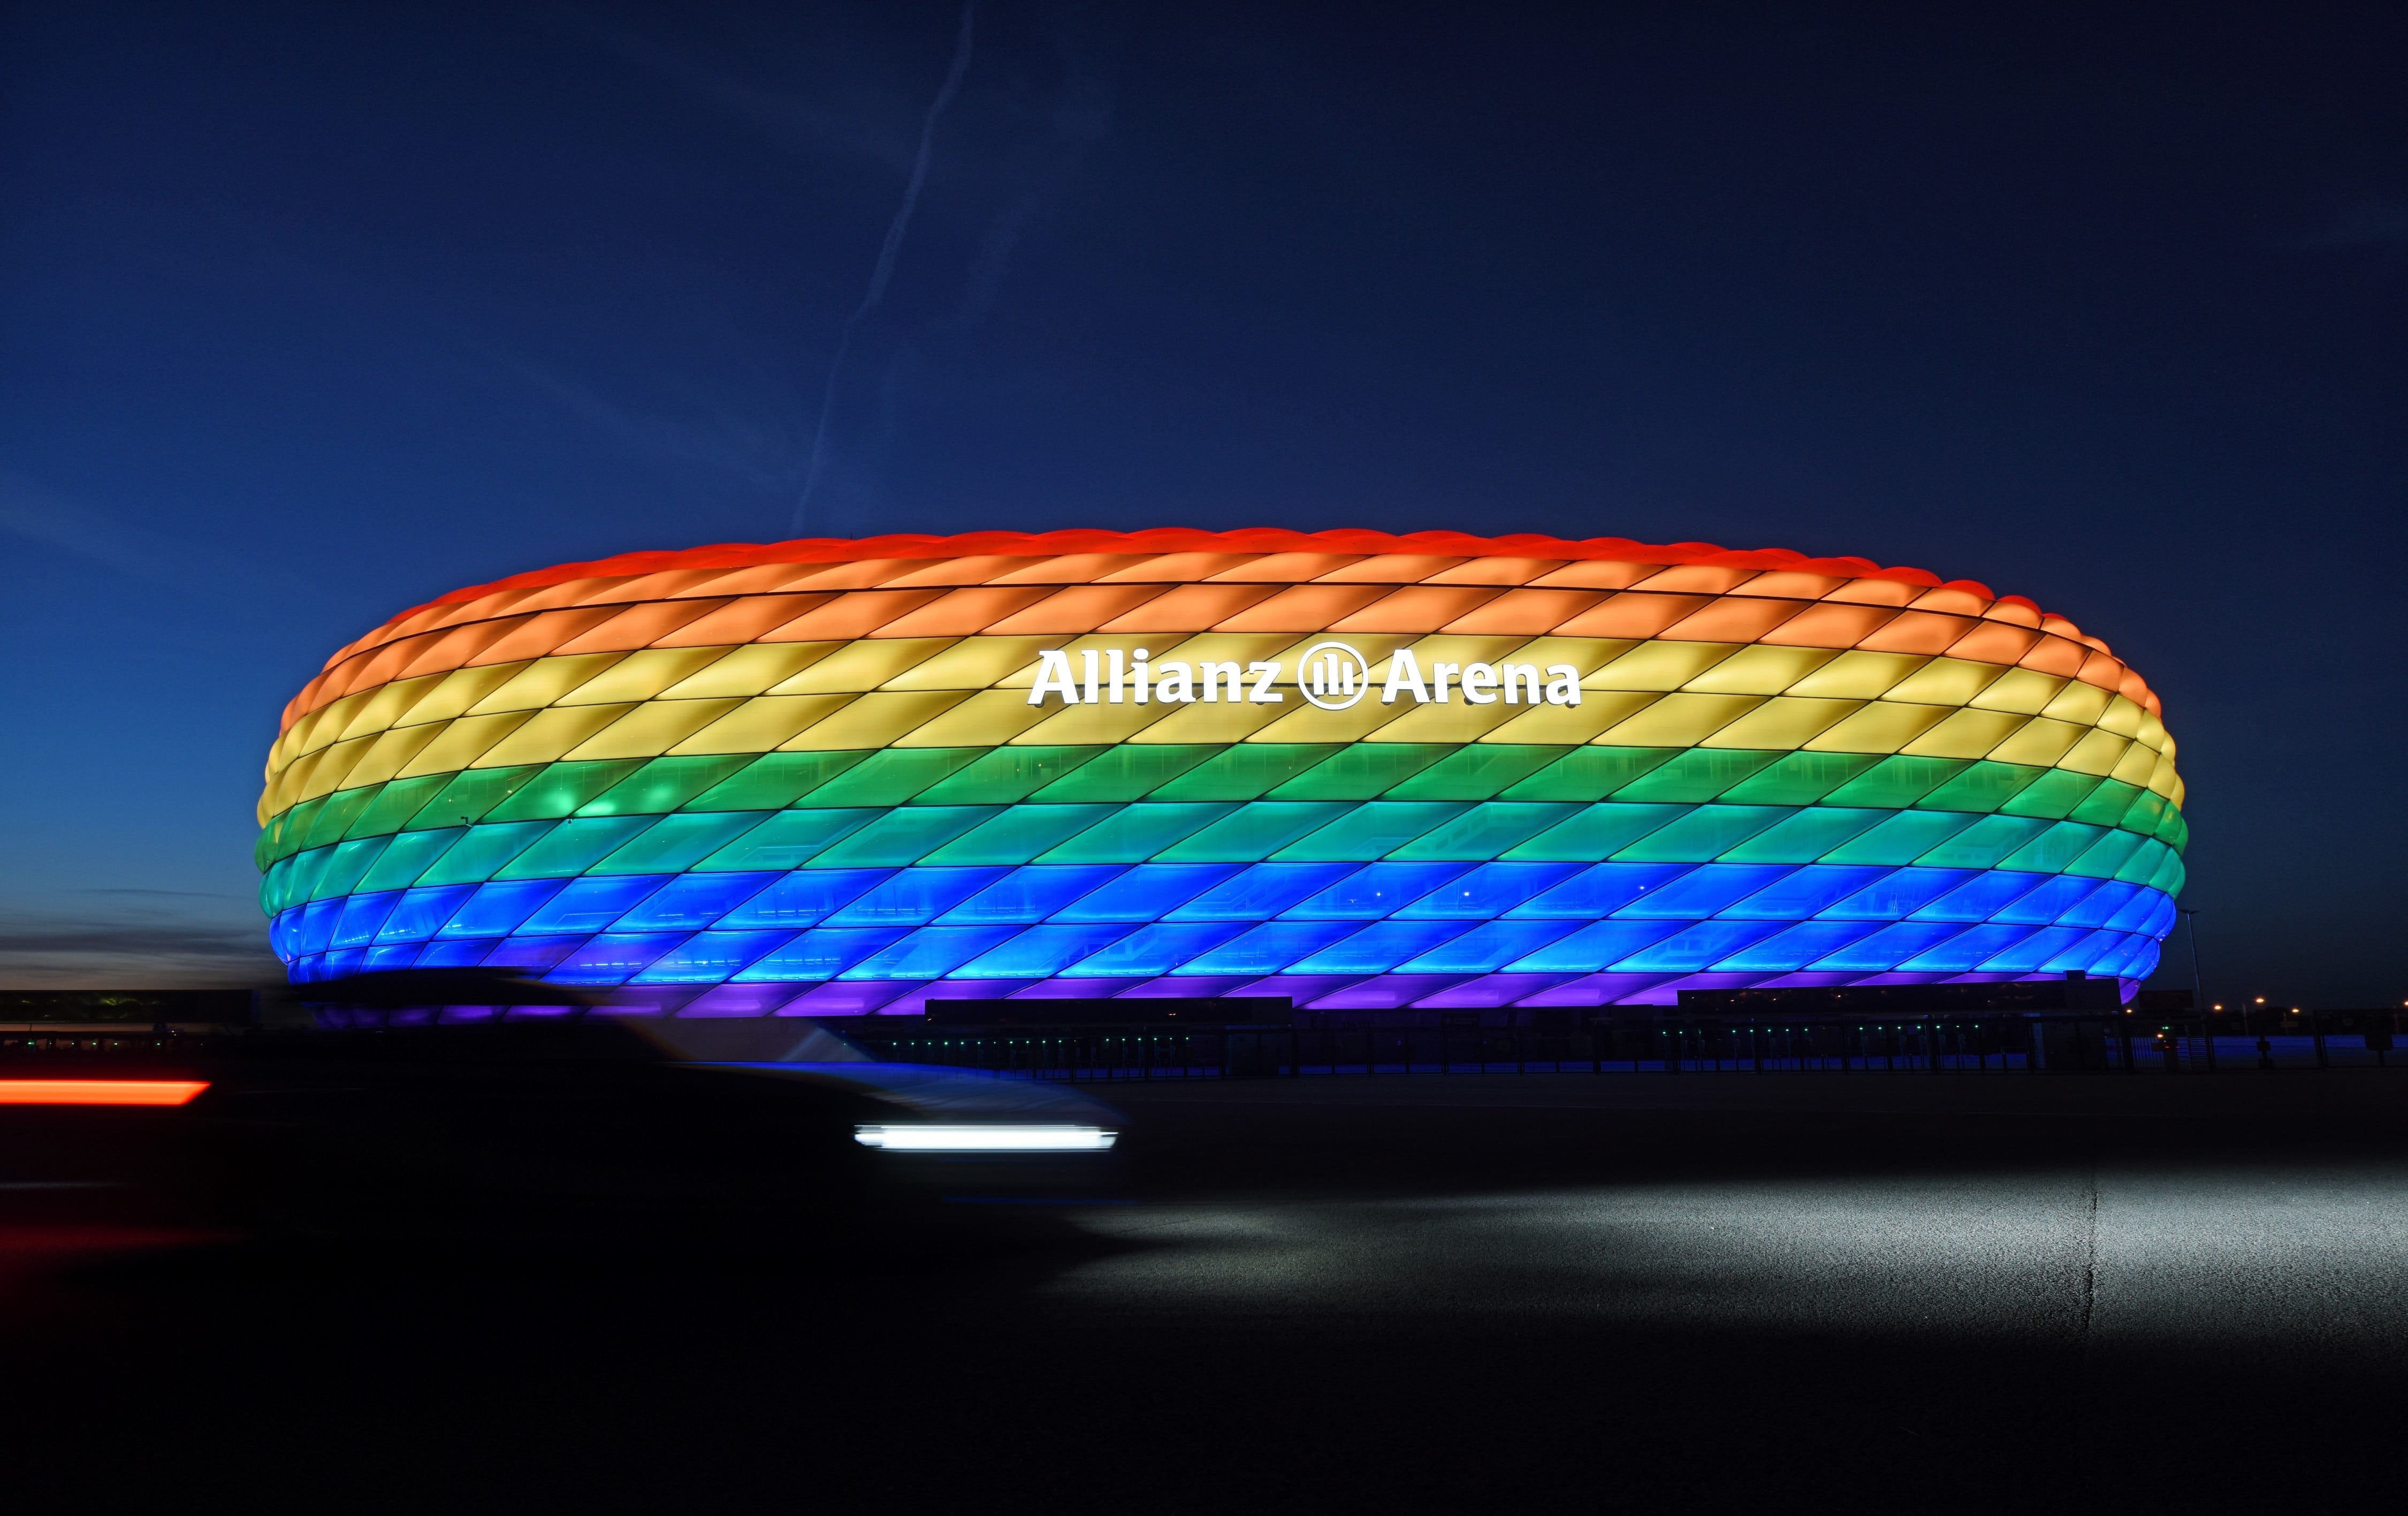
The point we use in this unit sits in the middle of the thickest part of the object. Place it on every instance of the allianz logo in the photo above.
(1333, 675)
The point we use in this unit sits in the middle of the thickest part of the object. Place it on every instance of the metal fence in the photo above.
(2065, 1044)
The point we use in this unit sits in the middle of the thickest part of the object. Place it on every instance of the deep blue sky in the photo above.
(308, 314)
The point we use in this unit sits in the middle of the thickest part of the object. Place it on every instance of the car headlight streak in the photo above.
(986, 1138)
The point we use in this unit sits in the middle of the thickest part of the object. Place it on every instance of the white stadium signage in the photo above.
(1332, 676)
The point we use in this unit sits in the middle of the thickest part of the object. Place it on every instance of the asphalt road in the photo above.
(1352, 1294)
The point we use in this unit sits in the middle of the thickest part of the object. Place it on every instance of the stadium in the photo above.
(1360, 770)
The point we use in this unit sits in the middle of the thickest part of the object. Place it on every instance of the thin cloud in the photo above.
(34, 514)
(2369, 222)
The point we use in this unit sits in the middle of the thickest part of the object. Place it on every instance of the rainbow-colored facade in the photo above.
(1368, 771)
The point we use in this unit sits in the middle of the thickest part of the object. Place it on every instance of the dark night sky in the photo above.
(310, 314)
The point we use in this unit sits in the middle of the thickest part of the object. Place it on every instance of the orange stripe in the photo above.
(99, 1091)
(531, 615)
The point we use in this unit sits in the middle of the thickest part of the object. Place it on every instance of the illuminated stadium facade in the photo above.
(1366, 771)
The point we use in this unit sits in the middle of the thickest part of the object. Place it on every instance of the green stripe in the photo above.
(1281, 772)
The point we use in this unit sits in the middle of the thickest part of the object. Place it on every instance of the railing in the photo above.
(1936, 1045)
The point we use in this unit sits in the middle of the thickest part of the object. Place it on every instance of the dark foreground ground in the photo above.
(1343, 1294)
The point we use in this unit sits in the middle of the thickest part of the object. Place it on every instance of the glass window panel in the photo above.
(1793, 948)
(539, 953)
(390, 955)
(802, 898)
(1487, 890)
(2052, 795)
(1886, 948)
(1368, 768)
(1375, 891)
(1254, 832)
(1130, 771)
(1586, 775)
(1477, 771)
(1600, 890)
(463, 952)
(1001, 776)
(466, 797)
(898, 837)
(479, 854)
(1362, 770)
(1983, 788)
(1535, 832)
(1269, 947)
(2028, 954)
(891, 776)
(710, 957)
(929, 952)
(1260, 892)
(1488, 946)
(1245, 771)
(2101, 906)
(346, 863)
(2105, 857)
(1803, 892)
(821, 954)
(1143, 894)
(1696, 945)
(356, 926)
(2056, 895)
(1806, 837)
(411, 854)
(1800, 778)
(1135, 835)
(1700, 774)
(589, 905)
(2085, 951)
(914, 896)
(1898, 782)
(561, 788)
(1041, 952)
(2053, 850)
(1030, 895)
(693, 901)
(1986, 842)
(1379, 947)
(774, 780)
(1151, 950)
(664, 784)
(400, 802)
(1903, 838)
(612, 958)
(2112, 804)
(1705, 889)
(1371, 830)
(1705, 833)
(1981, 897)
(337, 811)
(1592, 947)
(674, 843)
(1897, 894)
(1962, 952)
(573, 846)
(787, 839)
(494, 909)
(1020, 833)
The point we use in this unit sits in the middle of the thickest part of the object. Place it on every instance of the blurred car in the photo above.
(401, 1121)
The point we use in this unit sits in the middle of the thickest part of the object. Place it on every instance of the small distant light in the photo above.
(100, 1091)
(986, 1138)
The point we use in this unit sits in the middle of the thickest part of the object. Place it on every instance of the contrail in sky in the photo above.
(886, 253)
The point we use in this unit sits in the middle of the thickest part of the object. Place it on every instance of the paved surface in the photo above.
(1350, 1294)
